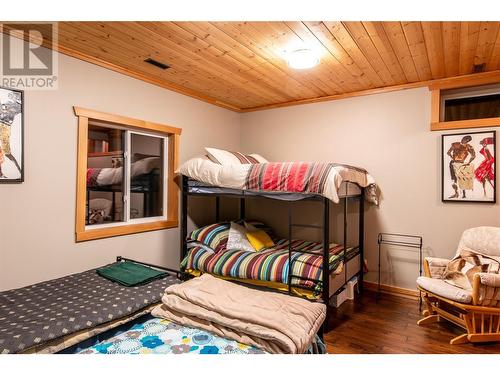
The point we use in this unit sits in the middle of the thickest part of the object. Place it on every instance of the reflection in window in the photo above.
(105, 180)
(146, 172)
(125, 175)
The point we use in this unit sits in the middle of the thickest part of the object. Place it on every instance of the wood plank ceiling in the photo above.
(241, 65)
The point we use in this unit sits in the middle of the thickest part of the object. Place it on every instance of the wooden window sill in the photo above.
(464, 124)
(121, 230)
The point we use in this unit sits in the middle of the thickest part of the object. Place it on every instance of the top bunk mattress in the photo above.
(38, 314)
(281, 180)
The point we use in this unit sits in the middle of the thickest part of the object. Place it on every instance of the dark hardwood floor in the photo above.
(364, 326)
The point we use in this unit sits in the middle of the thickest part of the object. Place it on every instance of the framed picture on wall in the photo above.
(468, 167)
(11, 135)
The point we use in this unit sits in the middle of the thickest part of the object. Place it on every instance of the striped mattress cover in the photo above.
(270, 265)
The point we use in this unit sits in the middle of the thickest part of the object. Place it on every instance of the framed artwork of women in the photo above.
(11, 135)
(468, 167)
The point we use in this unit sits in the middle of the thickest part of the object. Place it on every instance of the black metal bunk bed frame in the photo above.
(194, 188)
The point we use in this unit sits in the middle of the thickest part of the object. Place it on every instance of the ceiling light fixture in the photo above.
(302, 59)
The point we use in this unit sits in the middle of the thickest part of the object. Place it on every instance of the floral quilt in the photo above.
(165, 337)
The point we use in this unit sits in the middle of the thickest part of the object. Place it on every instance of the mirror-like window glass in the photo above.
(105, 177)
(146, 176)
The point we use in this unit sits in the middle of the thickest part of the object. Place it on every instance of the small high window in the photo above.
(481, 102)
(465, 107)
(125, 176)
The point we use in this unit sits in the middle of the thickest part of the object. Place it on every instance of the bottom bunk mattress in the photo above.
(271, 266)
(50, 316)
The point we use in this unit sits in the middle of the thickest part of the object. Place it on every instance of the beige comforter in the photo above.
(276, 323)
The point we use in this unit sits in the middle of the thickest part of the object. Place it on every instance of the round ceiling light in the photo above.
(302, 59)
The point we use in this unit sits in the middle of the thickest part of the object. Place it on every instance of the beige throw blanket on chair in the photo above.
(274, 322)
(460, 270)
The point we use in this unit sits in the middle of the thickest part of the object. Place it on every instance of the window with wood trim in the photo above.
(125, 177)
(465, 107)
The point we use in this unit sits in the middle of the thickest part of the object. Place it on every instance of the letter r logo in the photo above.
(27, 59)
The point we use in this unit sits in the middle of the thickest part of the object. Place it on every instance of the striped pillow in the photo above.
(225, 157)
(214, 235)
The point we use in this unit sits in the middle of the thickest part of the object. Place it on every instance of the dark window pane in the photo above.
(105, 182)
(146, 172)
(486, 106)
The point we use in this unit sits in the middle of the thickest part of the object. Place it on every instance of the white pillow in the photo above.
(225, 157)
(205, 170)
(237, 239)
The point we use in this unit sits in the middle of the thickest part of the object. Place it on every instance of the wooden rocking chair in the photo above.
(476, 310)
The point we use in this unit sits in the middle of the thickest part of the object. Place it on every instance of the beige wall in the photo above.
(386, 133)
(37, 217)
(389, 135)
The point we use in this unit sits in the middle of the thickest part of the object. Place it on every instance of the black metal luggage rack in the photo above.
(407, 241)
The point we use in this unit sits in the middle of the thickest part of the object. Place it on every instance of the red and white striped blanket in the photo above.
(297, 177)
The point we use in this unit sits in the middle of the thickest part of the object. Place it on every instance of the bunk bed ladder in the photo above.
(325, 227)
(326, 253)
(344, 250)
(361, 240)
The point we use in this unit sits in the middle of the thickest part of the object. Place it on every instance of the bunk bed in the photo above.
(343, 263)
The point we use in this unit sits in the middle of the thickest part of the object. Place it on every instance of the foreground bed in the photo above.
(50, 316)
(207, 315)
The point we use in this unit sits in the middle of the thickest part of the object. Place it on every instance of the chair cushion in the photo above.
(483, 240)
(443, 289)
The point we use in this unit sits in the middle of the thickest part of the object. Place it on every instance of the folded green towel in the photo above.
(130, 273)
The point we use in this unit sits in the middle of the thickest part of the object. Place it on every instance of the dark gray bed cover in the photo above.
(38, 313)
